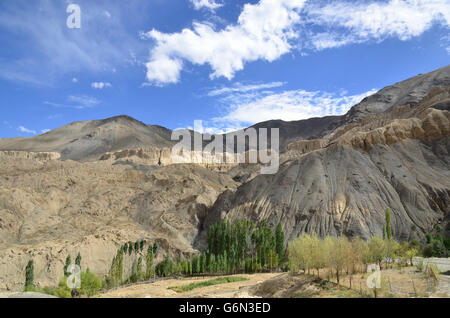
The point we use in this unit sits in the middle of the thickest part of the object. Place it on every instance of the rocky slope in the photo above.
(51, 209)
(91, 186)
(342, 184)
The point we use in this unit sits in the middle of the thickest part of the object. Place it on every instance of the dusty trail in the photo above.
(161, 289)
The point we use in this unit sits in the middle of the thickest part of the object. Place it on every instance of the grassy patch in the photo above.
(216, 281)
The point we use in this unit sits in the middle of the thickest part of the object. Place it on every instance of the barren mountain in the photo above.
(91, 186)
(342, 183)
(88, 140)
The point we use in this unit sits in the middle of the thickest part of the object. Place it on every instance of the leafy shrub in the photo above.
(90, 283)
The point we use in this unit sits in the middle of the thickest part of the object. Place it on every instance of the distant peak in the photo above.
(124, 118)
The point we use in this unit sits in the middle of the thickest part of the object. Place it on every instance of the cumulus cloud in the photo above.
(101, 85)
(348, 22)
(288, 105)
(264, 31)
(269, 29)
(26, 130)
(208, 4)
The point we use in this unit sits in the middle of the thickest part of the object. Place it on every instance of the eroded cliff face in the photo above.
(342, 184)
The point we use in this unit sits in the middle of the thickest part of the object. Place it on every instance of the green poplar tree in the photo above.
(78, 260)
(149, 263)
(66, 266)
(203, 263)
(29, 274)
(139, 268)
(388, 224)
(279, 238)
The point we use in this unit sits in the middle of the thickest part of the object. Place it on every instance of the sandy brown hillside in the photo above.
(50, 208)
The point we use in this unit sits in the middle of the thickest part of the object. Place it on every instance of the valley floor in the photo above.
(160, 289)
(404, 282)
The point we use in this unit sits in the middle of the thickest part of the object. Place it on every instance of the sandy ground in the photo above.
(161, 289)
(24, 295)
(405, 282)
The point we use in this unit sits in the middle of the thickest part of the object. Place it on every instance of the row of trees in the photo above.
(137, 247)
(339, 254)
(69, 262)
(232, 248)
(115, 277)
(242, 247)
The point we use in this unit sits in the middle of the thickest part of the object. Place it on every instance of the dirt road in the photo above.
(161, 289)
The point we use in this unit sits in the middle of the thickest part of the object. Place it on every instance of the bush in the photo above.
(438, 249)
(90, 283)
(427, 251)
(165, 268)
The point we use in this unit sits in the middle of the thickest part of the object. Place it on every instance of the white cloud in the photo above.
(269, 29)
(26, 130)
(287, 105)
(445, 43)
(43, 131)
(208, 4)
(74, 80)
(263, 32)
(100, 85)
(243, 88)
(76, 102)
(356, 22)
(83, 101)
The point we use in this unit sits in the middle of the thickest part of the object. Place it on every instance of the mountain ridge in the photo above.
(410, 91)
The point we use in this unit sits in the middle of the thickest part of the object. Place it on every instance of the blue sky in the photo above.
(230, 63)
